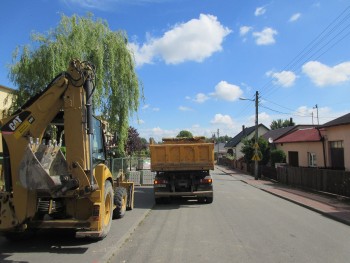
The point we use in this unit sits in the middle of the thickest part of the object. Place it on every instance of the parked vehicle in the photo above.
(182, 167)
(45, 188)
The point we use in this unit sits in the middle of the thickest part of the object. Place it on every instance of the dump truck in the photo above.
(182, 167)
(46, 188)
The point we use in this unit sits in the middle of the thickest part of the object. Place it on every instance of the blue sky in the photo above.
(196, 58)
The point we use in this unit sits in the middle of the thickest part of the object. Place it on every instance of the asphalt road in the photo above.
(243, 224)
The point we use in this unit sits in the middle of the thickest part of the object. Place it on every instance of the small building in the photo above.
(219, 149)
(337, 142)
(325, 146)
(272, 135)
(5, 92)
(303, 148)
(235, 145)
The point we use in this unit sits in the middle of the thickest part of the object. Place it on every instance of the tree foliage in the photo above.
(134, 142)
(117, 88)
(184, 134)
(277, 156)
(279, 123)
(263, 151)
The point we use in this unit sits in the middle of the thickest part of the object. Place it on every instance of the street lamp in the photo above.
(256, 156)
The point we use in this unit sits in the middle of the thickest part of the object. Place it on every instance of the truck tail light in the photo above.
(160, 181)
(206, 181)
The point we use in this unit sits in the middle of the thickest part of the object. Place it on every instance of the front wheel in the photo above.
(120, 201)
(108, 207)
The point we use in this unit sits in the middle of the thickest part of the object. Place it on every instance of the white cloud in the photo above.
(227, 91)
(223, 120)
(266, 36)
(184, 108)
(155, 109)
(263, 117)
(283, 78)
(194, 40)
(323, 75)
(294, 17)
(159, 133)
(260, 11)
(201, 97)
(243, 30)
(146, 106)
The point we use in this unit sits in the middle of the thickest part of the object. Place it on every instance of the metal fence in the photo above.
(136, 169)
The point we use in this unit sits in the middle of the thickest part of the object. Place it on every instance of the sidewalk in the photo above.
(327, 205)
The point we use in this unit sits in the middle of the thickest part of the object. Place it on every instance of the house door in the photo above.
(337, 155)
(293, 159)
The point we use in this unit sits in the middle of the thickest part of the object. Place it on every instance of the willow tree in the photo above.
(117, 88)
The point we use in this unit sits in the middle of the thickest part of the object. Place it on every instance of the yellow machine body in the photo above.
(45, 188)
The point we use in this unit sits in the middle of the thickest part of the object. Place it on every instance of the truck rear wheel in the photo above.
(108, 207)
(205, 200)
(120, 201)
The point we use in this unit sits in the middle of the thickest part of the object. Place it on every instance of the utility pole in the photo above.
(256, 164)
(256, 157)
(318, 122)
(217, 156)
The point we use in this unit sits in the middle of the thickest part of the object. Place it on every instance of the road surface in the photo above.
(243, 224)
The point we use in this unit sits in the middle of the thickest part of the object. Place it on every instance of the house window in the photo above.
(312, 159)
(336, 144)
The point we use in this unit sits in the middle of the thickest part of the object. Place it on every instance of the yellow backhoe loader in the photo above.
(45, 188)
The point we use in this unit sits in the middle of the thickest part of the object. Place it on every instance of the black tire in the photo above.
(108, 202)
(158, 201)
(120, 201)
(205, 200)
(209, 199)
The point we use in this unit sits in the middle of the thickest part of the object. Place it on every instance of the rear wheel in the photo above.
(108, 207)
(120, 201)
(209, 199)
(205, 200)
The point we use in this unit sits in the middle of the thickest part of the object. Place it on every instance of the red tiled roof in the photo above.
(305, 135)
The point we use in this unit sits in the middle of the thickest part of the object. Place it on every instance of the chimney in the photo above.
(243, 127)
(290, 121)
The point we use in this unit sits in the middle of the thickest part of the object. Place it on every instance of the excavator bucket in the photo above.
(42, 167)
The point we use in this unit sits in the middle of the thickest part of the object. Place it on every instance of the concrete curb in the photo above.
(108, 256)
(346, 222)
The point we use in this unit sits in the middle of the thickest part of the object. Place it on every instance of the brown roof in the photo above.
(343, 120)
(304, 135)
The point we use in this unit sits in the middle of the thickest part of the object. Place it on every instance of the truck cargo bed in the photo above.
(182, 156)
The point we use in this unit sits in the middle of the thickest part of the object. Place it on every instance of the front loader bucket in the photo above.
(42, 169)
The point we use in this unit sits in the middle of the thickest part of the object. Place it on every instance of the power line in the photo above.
(333, 34)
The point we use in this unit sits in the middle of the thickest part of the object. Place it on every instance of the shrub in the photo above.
(277, 156)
